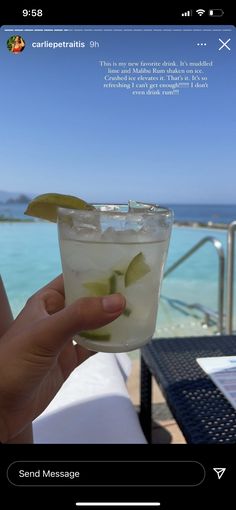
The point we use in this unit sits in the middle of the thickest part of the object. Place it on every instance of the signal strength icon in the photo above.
(187, 13)
(200, 12)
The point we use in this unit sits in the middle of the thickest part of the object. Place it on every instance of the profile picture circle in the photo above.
(16, 44)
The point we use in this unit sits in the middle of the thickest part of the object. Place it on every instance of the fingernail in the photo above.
(113, 303)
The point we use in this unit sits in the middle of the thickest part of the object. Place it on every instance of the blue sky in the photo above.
(61, 131)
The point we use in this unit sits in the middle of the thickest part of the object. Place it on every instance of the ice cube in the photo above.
(119, 236)
(109, 235)
(138, 207)
(87, 220)
(108, 207)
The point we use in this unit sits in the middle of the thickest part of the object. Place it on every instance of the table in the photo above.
(203, 414)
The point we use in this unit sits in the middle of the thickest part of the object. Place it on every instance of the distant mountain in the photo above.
(21, 199)
(13, 197)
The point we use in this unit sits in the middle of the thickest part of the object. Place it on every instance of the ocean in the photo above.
(204, 213)
(13, 211)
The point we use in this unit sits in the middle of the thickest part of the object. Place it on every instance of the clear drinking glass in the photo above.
(116, 248)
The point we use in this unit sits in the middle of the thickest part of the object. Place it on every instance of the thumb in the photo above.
(86, 313)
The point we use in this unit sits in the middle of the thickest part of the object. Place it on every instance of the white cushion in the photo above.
(93, 406)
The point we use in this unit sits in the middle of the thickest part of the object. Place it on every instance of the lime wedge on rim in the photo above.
(136, 269)
(45, 206)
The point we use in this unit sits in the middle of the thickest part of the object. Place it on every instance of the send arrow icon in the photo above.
(219, 472)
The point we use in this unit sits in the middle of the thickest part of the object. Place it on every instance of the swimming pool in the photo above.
(29, 258)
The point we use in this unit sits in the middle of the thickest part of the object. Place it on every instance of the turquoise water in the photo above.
(29, 258)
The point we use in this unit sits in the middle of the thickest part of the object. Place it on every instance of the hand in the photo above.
(37, 354)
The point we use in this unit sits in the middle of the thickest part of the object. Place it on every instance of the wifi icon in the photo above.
(200, 12)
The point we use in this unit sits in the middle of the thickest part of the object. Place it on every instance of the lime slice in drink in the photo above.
(101, 288)
(119, 272)
(113, 284)
(95, 335)
(136, 269)
(127, 312)
(45, 206)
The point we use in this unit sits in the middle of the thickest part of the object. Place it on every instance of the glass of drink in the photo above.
(116, 248)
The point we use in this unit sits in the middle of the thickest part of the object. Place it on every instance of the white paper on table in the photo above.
(222, 371)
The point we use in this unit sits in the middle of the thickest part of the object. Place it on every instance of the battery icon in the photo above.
(216, 12)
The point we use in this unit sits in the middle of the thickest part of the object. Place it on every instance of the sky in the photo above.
(61, 131)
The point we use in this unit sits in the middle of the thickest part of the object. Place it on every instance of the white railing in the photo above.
(221, 272)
